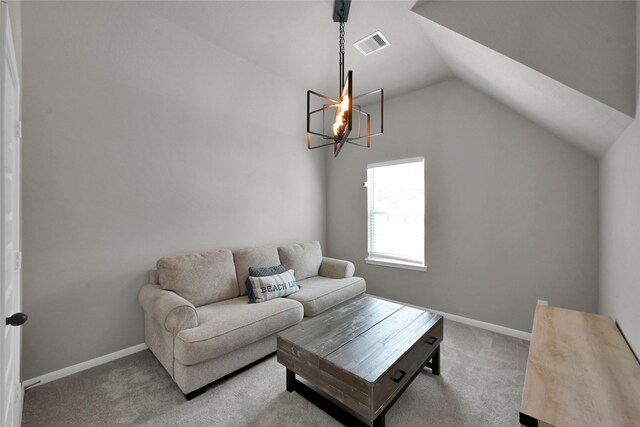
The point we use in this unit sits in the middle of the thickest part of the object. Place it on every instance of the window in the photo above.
(395, 213)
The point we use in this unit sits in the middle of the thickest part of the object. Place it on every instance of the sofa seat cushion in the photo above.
(228, 325)
(318, 294)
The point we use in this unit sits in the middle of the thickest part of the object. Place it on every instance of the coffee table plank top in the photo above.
(324, 334)
(376, 351)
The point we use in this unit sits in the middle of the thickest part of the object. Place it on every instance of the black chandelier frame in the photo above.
(363, 119)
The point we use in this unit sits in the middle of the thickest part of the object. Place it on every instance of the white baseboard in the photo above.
(64, 372)
(471, 322)
(52, 376)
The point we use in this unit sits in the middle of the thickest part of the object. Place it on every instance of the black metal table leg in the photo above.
(291, 379)
(379, 422)
(434, 363)
(335, 411)
(528, 421)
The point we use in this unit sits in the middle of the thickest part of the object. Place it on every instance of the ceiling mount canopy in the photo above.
(335, 120)
(341, 10)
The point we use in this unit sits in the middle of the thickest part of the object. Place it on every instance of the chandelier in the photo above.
(343, 120)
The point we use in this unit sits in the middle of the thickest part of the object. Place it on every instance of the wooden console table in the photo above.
(580, 372)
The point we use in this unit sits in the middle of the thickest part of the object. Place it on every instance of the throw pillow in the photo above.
(270, 287)
(261, 272)
(266, 271)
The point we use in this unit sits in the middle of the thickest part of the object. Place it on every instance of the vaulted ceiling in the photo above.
(569, 66)
(298, 40)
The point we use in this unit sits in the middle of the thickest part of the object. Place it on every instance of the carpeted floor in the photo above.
(480, 385)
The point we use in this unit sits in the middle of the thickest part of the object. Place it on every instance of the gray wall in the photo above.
(142, 140)
(620, 228)
(620, 234)
(512, 211)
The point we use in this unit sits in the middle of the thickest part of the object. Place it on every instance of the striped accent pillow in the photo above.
(269, 287)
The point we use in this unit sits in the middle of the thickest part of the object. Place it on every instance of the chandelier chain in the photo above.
(341, 53)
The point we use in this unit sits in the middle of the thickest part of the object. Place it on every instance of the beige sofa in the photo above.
(197, 319)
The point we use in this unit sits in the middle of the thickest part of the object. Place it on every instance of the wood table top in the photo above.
(580, 371)
(365, 337)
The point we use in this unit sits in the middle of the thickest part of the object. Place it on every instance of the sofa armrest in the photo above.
(336, 268)
(169, 309)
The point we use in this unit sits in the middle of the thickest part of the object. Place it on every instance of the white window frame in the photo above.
(389, 260)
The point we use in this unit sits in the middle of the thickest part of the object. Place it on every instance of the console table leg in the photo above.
(434, 363)
(379, 422)
(291, 378)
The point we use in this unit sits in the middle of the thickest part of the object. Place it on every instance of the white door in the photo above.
(10, 287)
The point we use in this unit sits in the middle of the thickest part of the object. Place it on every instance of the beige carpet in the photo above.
(480, 385)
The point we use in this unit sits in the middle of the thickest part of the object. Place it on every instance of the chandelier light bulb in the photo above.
(338, 125)
(344, 105)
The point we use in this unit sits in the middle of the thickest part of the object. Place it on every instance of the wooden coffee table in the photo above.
(357, 359)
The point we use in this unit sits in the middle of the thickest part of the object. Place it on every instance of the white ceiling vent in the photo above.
(372, 43)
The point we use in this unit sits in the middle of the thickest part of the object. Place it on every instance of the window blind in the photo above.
(395, 199)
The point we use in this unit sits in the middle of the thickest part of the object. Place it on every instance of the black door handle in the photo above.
(17, 319)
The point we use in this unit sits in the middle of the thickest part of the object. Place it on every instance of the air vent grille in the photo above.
(371, 43)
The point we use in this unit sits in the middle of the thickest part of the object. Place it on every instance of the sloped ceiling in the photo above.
(587, 45)
(298, 40)
(571, 114)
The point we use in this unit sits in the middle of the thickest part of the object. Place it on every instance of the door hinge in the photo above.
(18, 260)
(19, 129)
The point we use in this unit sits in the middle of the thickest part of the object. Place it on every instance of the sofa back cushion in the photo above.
(265, 256)
(303, 258)
(201, 278)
